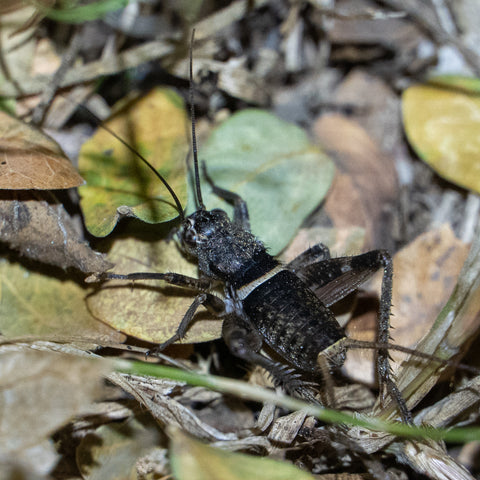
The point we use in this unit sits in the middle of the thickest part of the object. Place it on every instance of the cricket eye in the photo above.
(190, 237)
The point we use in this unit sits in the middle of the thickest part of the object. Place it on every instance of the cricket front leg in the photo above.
(211, 302)
(240, 209)
(177, 279)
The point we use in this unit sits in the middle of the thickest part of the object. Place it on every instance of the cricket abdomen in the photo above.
(292, 320)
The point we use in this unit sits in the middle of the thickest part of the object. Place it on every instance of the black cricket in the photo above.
(267, 303)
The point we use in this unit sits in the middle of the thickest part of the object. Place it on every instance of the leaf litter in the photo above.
(313, 446)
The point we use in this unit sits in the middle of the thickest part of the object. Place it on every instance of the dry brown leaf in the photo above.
(367, 183)
(36, 225)
(31, 160)
(425, 274)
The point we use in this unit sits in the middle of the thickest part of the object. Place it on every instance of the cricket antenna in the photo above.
(194, 137)
(178, 205)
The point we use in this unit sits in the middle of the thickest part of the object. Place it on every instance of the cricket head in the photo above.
(201, 228)
(221, 248)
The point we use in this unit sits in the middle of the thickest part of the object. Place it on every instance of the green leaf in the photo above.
(82, 13)
(442, 121)
(194, 460)
(118, 183)
(469, 85)
(273, 166)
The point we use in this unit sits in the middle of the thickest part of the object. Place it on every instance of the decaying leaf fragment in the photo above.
(37, 225)
(39, 393)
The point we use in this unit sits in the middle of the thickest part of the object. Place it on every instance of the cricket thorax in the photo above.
(224, 251)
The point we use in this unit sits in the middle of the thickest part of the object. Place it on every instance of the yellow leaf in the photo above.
(34, 304)
(443, 125)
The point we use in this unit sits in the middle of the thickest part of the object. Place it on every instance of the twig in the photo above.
(67, 60)
(438, 33)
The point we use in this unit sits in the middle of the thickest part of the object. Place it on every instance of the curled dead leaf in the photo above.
(29, 159)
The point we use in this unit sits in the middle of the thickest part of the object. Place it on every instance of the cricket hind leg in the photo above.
(334, 278)
(245, 343)
(318, 252)
(385, 375)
